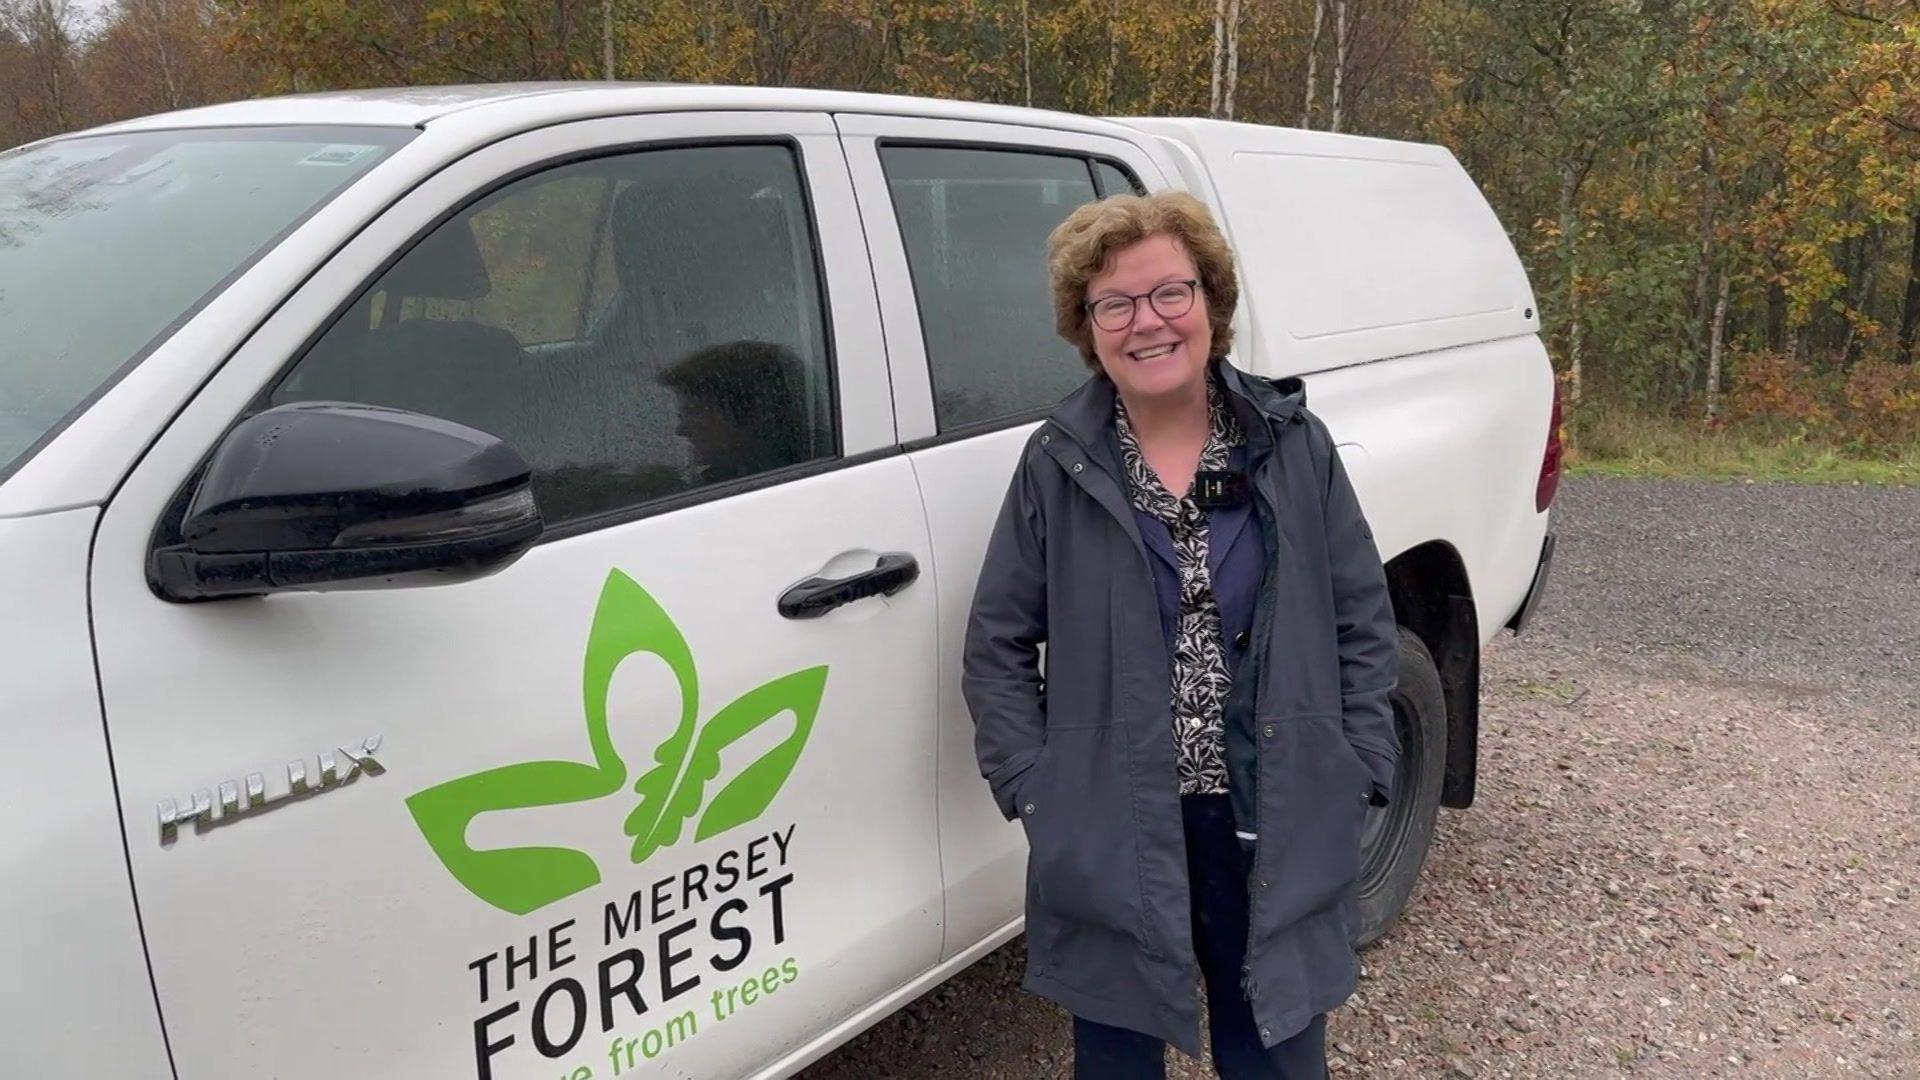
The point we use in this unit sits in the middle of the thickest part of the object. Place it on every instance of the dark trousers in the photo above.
(1217, 878)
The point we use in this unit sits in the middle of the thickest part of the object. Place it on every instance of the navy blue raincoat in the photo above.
(1080, 746)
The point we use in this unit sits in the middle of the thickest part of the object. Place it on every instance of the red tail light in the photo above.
(1550, 463)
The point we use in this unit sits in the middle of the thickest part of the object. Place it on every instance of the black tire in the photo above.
(1394, 844)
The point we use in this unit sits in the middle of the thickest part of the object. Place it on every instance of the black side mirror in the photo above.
(321, 495)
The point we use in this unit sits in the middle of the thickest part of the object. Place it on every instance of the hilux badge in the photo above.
(249, 796)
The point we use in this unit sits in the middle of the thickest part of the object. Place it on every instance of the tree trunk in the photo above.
(1313, 60)
(1569, 272)
(1703, 270)
(1776, 335)
(606, 40)
(1575, 337)
(562, 65)
(1340, 44)
(1861, 269)
(48, 26)
(1715, 350)
(1910, 310)
(1026, 49)
(152, 17)
(1113, 50)
(1233, 56)
(1219, 55)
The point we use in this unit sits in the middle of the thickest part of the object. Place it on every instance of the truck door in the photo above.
(611, 810)
(957, 215)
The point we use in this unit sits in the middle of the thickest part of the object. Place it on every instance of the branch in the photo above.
(1850, 14)
(397, 61)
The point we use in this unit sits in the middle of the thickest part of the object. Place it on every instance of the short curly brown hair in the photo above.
(1078, 249)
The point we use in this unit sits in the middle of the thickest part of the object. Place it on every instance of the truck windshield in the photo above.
(108, 243)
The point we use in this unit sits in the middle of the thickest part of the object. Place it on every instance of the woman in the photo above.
(1193, 765)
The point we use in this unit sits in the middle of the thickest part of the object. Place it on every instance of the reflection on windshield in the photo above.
(109, 242)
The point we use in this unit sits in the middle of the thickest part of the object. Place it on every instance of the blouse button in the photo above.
(1045, 439)
(1241, 639)
(1027, 809)
(1077, 466)
(1268, 732)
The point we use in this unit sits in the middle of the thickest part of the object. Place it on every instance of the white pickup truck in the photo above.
(695, 404)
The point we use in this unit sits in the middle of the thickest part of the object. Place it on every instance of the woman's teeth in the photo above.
(1154, 353)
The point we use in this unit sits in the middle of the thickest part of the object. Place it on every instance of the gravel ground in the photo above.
(1694, 850)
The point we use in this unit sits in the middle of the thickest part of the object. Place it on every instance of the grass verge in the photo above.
(1612, 442)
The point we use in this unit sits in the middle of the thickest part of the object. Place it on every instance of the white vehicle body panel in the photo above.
(325, 938)
(1430, 442)
(1363, 248)
(71, 946)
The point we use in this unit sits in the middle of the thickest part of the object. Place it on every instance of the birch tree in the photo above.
(1226, 57)
(1339, 61)
(1313, 60)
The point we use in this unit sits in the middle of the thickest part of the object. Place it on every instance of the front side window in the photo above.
(636, 326)
(108, 243)
(975, 225)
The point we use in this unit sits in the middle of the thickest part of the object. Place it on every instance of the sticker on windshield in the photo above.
(676, 956)
(337, 154)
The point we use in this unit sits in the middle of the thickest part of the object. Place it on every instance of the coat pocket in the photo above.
(1311, 816)
(1082, 855)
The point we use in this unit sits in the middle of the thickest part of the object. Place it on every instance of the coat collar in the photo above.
(1225, 528)
(1261, 405)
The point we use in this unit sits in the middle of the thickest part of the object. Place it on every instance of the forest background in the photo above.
(1718, 201)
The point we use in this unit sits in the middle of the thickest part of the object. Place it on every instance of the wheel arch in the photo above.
(1433, 597)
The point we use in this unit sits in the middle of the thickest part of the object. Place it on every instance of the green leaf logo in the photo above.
(672, 791)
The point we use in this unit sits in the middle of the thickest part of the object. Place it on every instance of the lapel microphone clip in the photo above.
(1219, 489)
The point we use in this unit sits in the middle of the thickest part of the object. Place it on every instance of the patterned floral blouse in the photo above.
(1201, 677)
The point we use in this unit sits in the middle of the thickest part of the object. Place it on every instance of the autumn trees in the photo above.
(1711, 196)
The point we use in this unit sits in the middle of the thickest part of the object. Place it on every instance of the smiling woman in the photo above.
(149, 226)
(1211, 821)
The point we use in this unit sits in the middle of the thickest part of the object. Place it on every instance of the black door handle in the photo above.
(815, 597)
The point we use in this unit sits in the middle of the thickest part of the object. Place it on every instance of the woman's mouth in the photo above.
(1155, 352)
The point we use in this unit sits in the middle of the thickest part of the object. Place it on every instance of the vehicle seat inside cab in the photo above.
(695, 267)
(707, 265)
(457, 369)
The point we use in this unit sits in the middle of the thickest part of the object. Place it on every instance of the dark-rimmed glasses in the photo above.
(1170, 301)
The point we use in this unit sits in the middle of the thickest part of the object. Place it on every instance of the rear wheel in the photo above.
(1394, 843)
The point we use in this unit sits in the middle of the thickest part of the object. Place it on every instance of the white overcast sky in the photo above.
(90, 9)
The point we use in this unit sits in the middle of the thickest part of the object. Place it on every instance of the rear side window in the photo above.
(1115, 180)
(636, 326)
(975, 225)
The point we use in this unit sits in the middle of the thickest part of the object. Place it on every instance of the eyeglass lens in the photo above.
(1169, 301)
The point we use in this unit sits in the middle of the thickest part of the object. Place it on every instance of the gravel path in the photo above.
(1695, 849)
(1812, 590)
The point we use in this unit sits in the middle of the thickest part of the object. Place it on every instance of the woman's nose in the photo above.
(1145, 318)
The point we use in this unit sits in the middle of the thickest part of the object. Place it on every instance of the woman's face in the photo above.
(1154, 356)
